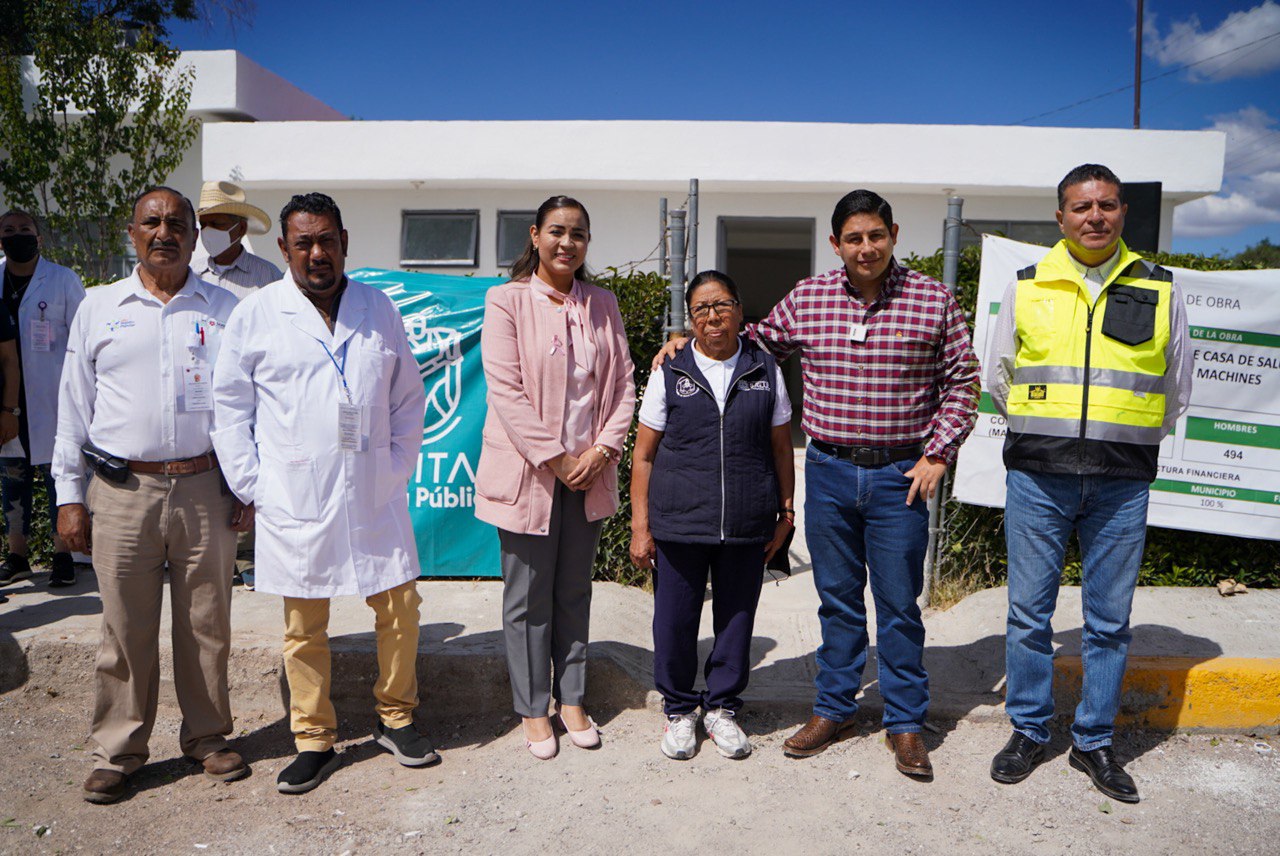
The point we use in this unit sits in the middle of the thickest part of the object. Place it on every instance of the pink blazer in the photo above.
(526, 405)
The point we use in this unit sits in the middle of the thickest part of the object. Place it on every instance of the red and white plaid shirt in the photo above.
(913, 378)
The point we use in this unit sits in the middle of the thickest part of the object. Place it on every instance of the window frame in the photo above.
(406, 216)
(532, 214)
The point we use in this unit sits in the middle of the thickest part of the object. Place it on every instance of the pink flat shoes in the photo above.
(587, 738)
(543, 750)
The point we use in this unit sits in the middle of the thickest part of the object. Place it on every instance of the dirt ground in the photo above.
(1201, 794)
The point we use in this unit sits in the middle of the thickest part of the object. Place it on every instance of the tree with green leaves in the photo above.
(87, 121)
(155, 15)
(1263, 254)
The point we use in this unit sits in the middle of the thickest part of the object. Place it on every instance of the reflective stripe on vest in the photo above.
(1072, 379)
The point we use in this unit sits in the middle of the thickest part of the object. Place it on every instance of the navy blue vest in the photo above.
(713, 477)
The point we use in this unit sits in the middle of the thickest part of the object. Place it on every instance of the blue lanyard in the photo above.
(342, 369)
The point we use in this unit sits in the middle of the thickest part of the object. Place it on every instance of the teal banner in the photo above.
(442, 315)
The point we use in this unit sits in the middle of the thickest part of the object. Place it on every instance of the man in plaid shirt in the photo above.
(890, 392)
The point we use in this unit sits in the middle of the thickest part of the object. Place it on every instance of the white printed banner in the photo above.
(1220, 469)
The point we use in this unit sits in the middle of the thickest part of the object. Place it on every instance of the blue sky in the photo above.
(915, 62)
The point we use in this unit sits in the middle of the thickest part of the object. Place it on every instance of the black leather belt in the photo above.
(869, 456)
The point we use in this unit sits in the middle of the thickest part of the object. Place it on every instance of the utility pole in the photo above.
(1137, 72)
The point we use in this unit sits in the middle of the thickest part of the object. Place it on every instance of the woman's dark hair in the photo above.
(705, 277)
(860, 202)
(527, 264)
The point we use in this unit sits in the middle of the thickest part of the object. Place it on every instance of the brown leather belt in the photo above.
(185, 467)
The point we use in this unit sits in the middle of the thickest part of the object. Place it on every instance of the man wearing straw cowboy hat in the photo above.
(225, 218)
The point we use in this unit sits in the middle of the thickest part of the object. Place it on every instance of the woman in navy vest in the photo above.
(712, 490)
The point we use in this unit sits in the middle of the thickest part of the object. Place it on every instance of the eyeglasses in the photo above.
(702, 310)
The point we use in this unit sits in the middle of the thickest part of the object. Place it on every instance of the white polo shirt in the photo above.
(719, 374)
(123, 380)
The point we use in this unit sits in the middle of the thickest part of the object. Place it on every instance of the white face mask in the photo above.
(215, 241)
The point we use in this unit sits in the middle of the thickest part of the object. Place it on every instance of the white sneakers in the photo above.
(680, 743)
(730, 740)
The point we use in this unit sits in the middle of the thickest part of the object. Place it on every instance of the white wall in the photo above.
(624, 224)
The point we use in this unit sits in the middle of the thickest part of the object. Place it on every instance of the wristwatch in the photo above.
(16, 411)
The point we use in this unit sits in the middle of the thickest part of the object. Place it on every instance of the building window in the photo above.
(440, 239)
(1043, 232)
(513, 234)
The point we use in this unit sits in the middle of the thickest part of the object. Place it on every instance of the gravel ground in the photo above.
(1201, 794)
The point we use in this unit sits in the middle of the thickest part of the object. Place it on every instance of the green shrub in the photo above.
(642, 300)
(972, 555)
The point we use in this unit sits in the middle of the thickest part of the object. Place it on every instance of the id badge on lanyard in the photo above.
(41, 331)
(353, 425)
(197, 377)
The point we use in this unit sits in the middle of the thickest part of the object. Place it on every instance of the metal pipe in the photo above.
(951, 242)
(662, 236)
(937, 511)
(693, 226)
(675, 313)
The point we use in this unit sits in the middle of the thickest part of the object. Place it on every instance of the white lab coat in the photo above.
(61, 290)
(329, 522)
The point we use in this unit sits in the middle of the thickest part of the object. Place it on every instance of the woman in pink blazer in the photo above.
(561, 399)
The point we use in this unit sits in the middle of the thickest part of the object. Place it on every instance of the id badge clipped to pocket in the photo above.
(197, 387)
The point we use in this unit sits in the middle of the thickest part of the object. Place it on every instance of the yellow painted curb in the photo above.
(1189, 692)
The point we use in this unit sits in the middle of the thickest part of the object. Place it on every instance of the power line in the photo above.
(1129, 86)
(1221, 68)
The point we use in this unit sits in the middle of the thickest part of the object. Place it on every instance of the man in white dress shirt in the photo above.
(225, 218)
(136, 401)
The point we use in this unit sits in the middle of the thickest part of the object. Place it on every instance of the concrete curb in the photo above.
(1232, 683)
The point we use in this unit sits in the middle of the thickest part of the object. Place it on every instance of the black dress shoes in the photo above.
(1105, 771)
(1017, 759)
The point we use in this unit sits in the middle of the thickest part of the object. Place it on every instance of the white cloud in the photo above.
(1186, 42)
(1251, 189)
(1227, 214)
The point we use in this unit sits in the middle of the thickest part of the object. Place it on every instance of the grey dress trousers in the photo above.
(546, 605)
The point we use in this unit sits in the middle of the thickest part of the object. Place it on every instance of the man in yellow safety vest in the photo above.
(1091, 368)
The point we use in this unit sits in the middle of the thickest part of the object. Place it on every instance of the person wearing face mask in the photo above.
(318, 409)
(40, 298)
(561, 398)
(225, 218)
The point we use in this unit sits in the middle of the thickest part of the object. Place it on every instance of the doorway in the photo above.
(767, 256)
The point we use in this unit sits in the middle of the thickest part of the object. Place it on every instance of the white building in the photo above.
(456, 197)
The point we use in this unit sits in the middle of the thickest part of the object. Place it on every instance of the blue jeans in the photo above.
(857, 519)
(1110, 516)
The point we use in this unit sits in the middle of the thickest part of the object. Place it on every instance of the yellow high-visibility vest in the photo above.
(1091, 372)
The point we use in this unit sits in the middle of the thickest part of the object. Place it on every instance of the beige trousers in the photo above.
(138, 527)
(307, 664)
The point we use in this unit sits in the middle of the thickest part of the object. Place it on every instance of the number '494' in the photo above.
(1233, 455)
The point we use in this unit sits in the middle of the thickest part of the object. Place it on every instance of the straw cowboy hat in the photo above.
(223, 197)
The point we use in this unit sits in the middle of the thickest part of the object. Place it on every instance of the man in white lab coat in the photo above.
(41, 297)
(318, 410)
(226, 218)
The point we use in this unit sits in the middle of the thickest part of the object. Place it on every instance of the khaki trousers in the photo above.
(138, 527)
(307, 664)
